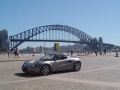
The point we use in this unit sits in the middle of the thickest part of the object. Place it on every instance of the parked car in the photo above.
(52, 62)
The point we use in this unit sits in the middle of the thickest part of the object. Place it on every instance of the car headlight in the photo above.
(34, 65)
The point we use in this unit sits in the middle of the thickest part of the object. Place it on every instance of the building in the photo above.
(37, 49)
(4, 39)
(41, 49)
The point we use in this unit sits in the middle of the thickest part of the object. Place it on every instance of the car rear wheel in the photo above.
(45, 70)
(77, 66)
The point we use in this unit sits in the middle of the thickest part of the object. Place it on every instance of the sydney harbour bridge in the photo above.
(57, 33)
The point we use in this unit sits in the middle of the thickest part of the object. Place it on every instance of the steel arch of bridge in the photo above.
(18, 39)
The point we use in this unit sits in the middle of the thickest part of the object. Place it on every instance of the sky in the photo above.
(97, 18)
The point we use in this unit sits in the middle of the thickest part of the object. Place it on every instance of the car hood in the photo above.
(30, 61)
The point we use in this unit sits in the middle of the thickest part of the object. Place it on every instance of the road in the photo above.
(97, 73)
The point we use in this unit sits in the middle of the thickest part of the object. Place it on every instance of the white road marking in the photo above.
(100, 69)
(20, 81)
(116, 68)
(23, 59)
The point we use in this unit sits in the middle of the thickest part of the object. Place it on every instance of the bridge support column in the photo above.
(100, 44)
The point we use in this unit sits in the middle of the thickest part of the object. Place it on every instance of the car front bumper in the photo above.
(28, 69)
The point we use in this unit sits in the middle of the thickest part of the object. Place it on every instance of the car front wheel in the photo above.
(45, 70)
(77, 66)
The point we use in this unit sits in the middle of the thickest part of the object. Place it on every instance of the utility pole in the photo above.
(68, 48)
(44, 48)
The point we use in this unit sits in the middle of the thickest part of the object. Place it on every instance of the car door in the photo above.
(61, 63)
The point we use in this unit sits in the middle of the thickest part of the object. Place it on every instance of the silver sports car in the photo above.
(52, 62)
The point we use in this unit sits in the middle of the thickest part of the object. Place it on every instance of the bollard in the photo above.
(116, 54)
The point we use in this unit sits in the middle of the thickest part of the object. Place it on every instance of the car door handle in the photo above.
(69, 61)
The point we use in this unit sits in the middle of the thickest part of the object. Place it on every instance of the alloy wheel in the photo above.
(77, 66)
(45, 70)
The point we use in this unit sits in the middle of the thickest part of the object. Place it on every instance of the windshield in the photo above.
(47, 57)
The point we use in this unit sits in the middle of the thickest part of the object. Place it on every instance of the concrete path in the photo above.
(97, 73)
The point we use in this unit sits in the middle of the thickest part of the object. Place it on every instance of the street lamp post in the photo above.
(8, 46)
(107, 48)
(115, 47)
(98, 47)
(44, 48)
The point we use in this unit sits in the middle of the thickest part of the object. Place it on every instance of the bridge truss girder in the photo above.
(18, 39)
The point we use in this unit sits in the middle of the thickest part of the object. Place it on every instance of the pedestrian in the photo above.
(96, 52)
(33, 51)
(45, 51)
(71, 52)
(78, 52)
(104, 51)
(16, 52)
(100, 53)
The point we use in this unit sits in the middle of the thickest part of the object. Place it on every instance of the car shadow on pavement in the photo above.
(61, 72)
(26, 74)
(37, 75)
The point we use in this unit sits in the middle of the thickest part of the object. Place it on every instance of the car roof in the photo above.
(56, 53)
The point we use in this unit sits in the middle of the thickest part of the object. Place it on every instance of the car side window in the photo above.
(58, 57)
(61, 57)
(48, 58)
